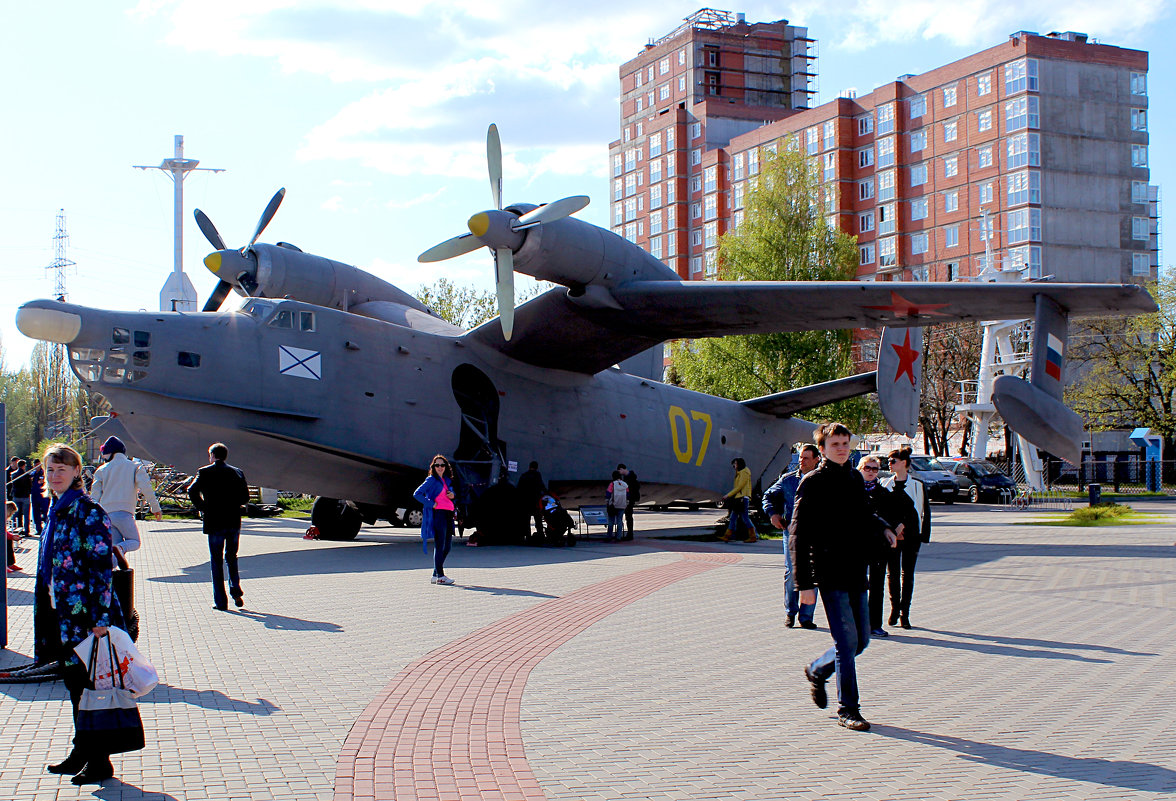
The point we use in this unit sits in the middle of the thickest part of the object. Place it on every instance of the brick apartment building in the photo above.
(1032, 154)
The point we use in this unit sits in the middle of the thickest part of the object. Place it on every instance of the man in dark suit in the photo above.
(220, 492)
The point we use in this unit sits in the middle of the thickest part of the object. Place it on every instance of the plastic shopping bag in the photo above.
(136, 673)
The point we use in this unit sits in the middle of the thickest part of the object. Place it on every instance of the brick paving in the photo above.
(1042, 666)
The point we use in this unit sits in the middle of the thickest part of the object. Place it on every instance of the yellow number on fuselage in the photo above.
(685, 454)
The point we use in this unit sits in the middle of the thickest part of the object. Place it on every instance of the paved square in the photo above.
(1041, 666)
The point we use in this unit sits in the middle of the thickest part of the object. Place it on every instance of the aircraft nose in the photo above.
(49, 325)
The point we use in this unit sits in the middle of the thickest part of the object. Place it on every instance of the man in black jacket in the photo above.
(531, 489)
(836, 535)
(220, 492)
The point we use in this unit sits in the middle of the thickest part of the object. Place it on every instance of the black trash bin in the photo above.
(1095, 493)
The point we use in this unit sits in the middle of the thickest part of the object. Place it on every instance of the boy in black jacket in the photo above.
(836, 535)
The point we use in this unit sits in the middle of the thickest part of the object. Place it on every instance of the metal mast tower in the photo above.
(178, 294)
(57, 381)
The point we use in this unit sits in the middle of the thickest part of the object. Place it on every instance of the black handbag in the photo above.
(108, 720)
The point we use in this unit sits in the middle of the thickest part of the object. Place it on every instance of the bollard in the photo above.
(1095, 491)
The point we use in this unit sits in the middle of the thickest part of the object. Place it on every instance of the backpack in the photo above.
(620, 494)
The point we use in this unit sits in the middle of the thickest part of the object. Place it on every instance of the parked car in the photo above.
(980, 480)
(937, 479)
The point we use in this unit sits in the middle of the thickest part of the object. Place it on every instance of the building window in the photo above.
(984, 120)
(984, 157)
(753, 162)
(1021, 113)
(696, 237)
(866, 254)
(866, 157)
(830, 166)
(641, 125)
(886, 152)
(618, 189)
(831, 199)
(1024, 225)
(618, 167)
(886, 218)
(655, 247)
(1139, 119)
(984, 85)
(639, 102)
(630, 184)
(669, 139)
(1024, 187)
(1026, 257)
(670, 191)
(828, 131)
(811, 141)
(682, 83)
(986, 193)
(865, 222)
(696, 183)
(1139, 155)
(712, 264)
(696, 156)
(663, 92)
(918, 140)
(655, 145)
(663, 66)
(711, 235)
(865, 124)
(695, 211)
(866, 189)
(918, 106)
(885, 118)
(887, 252)
(711, 207)
(953, 271)
(1139, 84)
(736, 220)
(696, 264)
(1139, 191)
(950, 130)
(738, 166)
(919, 209)
(655, 171)
(695, 130)
(1139, 228)
(649, 74)
(710, 180)
(655, 221)
(631, 232)
(738, 196)
(1140, 264)
(951, 236)
(671, 221)
(630, 159)
(630, 209)
(919, 243)
(951, 167)
(1020, 76)
(949, 96)
(919, 174)
(655, 196)
(618, 214)
(951, 200)
(1024, 150)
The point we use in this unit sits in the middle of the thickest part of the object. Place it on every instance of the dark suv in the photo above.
(980, 480)
(936, 477)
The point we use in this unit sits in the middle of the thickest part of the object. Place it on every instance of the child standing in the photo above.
(616, 499)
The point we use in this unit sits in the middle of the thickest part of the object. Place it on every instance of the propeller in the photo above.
(235, 268)
(502, 232)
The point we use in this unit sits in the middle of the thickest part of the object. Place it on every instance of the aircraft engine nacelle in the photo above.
(283, 272)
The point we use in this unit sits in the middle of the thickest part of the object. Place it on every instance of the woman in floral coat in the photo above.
(74, 596)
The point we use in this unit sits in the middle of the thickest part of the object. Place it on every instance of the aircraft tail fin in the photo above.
(900, 377)
(794, 401)
(1034, 409)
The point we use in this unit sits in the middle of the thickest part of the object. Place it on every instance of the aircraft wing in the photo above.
(597, 330)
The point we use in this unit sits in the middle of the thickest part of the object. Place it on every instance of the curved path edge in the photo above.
(447, 726)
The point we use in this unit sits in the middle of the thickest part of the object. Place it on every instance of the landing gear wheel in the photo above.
(335, 519)
(974, 494)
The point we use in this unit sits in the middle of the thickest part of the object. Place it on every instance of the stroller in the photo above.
(557, 522)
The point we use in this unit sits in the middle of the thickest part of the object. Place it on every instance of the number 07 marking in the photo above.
(684, 451)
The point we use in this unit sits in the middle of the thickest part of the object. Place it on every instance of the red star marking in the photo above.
(907, 356)
(904, 308)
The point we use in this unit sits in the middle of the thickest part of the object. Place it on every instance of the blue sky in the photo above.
(373, 114)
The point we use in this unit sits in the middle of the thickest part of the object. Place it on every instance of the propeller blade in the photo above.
(504, 283)
(268, 214)
(552, 212)
(450, 248)
(209, 230)
(219, 294)
(494, 160)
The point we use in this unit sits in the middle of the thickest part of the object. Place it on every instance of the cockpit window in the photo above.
(283, 319)
(120, 336)
(305, 321)
(142, 339)
(257, 309)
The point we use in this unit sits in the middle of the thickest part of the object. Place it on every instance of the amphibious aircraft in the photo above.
(331, 381)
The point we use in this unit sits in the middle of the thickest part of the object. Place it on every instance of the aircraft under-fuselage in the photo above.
(333, 382)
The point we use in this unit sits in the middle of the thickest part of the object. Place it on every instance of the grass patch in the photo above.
(297, 507)
(1101, 514)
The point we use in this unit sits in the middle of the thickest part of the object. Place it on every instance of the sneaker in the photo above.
(433, 580)
(790, 621)
(446, 580)
(817, 689)
(853, 721)
(807, 624)
(879, 632)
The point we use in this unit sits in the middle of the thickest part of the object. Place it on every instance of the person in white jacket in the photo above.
(116, 488)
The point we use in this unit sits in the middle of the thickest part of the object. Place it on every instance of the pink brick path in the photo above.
(447, 726)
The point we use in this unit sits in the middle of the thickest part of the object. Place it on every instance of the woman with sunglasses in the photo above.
(436, 496)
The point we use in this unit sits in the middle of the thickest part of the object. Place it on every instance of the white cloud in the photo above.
(333, 203)
(419, 200)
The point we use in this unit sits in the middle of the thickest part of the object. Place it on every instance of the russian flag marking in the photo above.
(1053, 357)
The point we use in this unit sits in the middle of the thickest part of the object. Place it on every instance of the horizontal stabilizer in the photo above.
(1038, 417)
(784, 404)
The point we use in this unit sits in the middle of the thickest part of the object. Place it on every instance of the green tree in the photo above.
(1126, 369)
(467, 307)
(783, 237)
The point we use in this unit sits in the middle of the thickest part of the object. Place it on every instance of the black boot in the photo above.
(70, 765)
(95, 772)
(893, 616)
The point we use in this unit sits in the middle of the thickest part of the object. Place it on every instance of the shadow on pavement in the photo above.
(117, 790)
(940, 556)
(1036, 643)
(1030, 649)
(503, 591)
(207, 699)
(283, 623)
(1139, 776)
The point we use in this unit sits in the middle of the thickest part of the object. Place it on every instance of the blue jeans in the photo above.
(22, 514)
(222, 548)
(442, 535)
(616, 522)
(124, 531)
(848, 614)
(792, 595)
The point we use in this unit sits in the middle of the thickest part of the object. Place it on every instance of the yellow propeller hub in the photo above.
(479, 224)
(213, 262)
